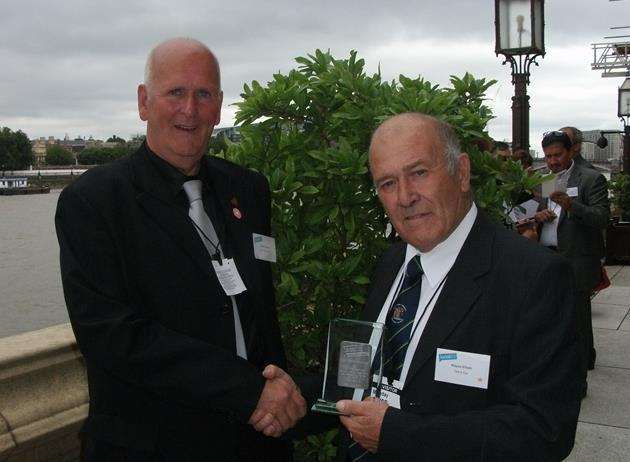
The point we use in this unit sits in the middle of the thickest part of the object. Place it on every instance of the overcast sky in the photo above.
(73, 66)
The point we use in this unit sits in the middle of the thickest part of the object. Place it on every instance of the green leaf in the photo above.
(309, 190)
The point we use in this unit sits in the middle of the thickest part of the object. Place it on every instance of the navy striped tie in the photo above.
(399, 322)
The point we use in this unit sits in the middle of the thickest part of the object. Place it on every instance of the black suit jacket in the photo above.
(152, 321)
(580, 231)
(582, 162)
(513, 300)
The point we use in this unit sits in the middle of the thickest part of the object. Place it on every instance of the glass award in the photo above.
(354, 362)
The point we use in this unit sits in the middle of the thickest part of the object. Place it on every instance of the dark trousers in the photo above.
(93, 450)
(590, 343)
(585, 327)
(274, 450)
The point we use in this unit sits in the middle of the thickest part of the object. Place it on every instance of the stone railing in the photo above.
(43, 396)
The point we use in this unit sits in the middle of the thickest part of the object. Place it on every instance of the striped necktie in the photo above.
(399, 322)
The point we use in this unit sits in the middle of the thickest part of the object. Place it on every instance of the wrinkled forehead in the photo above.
(185, 61)
(411, 137)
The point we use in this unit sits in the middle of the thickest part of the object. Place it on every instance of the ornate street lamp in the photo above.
(520, 37)
(623, 111)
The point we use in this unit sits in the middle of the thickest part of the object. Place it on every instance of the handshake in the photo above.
(280, 405)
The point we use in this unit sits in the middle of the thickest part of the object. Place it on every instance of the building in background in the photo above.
(611, 153)
(231, 133)
(74, 146)
(39, 146)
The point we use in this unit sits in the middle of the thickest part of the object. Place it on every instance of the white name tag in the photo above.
(389, 393)
(264, 247)
(462, 368)
(572, 192)
(228, 277)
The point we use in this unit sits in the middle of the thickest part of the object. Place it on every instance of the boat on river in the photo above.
(11, 186)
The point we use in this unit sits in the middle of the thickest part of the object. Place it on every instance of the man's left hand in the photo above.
(363, 420)
(562, 199)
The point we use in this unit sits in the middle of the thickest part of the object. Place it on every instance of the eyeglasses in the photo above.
(558, 133)
(556, 136)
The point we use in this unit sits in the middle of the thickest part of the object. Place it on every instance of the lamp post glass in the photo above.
(623, 109)
(519, 26)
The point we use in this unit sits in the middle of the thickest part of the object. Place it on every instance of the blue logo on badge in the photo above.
(447, 356)
(257, 238)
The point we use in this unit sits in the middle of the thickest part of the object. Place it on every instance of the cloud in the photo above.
(73, 66)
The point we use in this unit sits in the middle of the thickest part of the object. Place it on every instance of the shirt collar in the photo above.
(566, 172)
(437, 262)
(173, 177)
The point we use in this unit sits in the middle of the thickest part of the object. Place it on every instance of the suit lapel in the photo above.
(460, 292)
(573, 181)
(238, 231)
(153, 197)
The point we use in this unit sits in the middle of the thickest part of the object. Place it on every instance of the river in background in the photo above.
(31, 296)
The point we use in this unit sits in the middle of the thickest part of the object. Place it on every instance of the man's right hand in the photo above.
(280, 405)
(544, 216)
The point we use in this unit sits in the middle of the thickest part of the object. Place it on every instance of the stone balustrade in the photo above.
(43, 396)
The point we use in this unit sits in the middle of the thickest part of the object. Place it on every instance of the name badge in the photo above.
(572, 192)
(228, 277)
(389, 393)
(462, 368)
(264, 247)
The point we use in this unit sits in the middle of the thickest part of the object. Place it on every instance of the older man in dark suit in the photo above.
(482, 352)
(573, 219)
(171, 302)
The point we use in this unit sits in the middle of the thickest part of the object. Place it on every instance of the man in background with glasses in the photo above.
(572, 220)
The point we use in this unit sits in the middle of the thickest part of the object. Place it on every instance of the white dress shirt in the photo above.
(436, 265)
(549, 231)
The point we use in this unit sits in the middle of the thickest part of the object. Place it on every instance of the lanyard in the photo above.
(424, 310)
(415, 329)
(217, 255)
(399, 286)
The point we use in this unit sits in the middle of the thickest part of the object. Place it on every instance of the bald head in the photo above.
(165, 51)
(415, 125)
(180, 101)
(421, 177)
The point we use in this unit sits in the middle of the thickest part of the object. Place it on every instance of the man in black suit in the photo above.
(174, 355)
(489, 366)
(573, 219)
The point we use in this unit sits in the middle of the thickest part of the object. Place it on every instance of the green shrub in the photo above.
(620, 189)
(56, 155)
(308, 131)
(15, 149)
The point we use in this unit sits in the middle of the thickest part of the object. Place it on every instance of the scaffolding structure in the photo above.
(612, 58)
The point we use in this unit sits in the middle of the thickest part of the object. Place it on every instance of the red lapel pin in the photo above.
(235, 210)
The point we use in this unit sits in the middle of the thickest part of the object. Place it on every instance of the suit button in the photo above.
(226, 308)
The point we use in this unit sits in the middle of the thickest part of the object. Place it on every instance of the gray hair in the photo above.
(445, 134)
(149, 67)
(452, 147)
